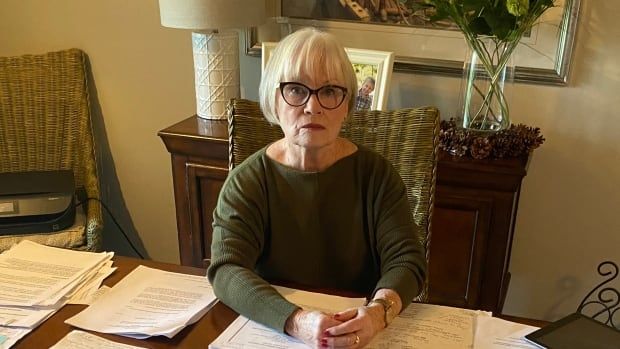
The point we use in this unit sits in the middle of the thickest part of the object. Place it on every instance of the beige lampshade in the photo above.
(211, 14)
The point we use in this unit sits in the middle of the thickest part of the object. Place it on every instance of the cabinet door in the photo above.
(203, 186)
(460, 226)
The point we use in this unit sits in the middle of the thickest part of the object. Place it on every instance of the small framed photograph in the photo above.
(372, 68)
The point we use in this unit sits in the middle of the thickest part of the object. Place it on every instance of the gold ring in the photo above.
(357, 339)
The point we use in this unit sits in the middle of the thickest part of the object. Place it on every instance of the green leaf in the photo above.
(518, 8)
(479, 26)
(501, 22)
(504, 19)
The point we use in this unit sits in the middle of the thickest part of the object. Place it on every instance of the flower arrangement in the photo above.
(506, 20)
(517, 140)
(492, 30)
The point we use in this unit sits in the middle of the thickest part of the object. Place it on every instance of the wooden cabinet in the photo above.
(472, 228)
(472, 225)
(199, 152)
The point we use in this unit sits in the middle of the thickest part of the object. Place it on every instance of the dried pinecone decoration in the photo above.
(453, 139)
(501, 147)
(515, 141)
(480, 148)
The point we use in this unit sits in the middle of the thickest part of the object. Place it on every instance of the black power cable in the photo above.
(115, 222)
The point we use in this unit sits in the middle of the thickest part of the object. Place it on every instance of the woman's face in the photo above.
(311, 125)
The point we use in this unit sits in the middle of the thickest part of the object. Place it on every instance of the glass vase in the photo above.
(488, 74)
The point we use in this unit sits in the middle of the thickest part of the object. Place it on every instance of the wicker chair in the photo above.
(45, 125)
(408, 138)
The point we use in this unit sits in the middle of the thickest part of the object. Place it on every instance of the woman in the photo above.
(314, 209)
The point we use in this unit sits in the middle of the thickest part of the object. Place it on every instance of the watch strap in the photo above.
(387, 306)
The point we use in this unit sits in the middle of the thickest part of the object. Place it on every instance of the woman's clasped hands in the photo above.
(351, 328)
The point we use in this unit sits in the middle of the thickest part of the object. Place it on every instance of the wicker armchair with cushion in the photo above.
(408, 138)
(45, 125)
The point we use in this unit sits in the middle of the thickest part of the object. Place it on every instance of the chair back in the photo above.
(45, 123)
(408, 138)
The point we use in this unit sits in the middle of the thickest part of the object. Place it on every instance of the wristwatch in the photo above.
(388, 308)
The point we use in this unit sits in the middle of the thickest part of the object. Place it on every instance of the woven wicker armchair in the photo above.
(408, 138)
(45, 125)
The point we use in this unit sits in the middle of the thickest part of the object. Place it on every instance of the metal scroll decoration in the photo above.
(602, 302)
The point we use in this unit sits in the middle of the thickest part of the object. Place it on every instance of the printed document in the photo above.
(496, 333)
(88, 299)
(36, 281)
(33, 274)
(83, 340)
(420, 326)
(28, 317)
(245, 333)
(91, 287)
(148, 302)
(427, 326)
(10, 336)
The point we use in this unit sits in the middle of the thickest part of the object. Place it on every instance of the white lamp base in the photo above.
(216, 67)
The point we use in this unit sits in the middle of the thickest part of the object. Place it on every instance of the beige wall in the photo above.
(570, 200)
(568, 215)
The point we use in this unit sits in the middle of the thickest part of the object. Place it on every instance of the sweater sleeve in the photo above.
(239, 222)
(402, 256)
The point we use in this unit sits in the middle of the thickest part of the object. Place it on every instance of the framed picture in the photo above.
(372, 68)
(420, 46)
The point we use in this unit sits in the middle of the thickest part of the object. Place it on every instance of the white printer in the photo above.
(36, 202)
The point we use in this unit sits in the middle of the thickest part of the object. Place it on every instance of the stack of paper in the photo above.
(427, 326)
(148, 302)
(245, 333)
(420, 326)
(37, 280)
(83, 340)
(492, 332)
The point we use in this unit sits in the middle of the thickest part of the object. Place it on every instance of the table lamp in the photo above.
(215, 45)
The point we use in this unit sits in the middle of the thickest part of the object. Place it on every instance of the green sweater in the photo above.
(348, 228)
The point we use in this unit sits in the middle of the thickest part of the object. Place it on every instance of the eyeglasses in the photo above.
(296, 94)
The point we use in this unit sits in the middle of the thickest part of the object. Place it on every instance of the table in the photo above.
(194, 336)
(198, 335)
(473, 218)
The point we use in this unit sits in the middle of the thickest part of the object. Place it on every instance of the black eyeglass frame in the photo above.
(282, 85)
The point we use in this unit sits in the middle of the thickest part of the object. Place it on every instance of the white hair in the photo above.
(306, 51)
